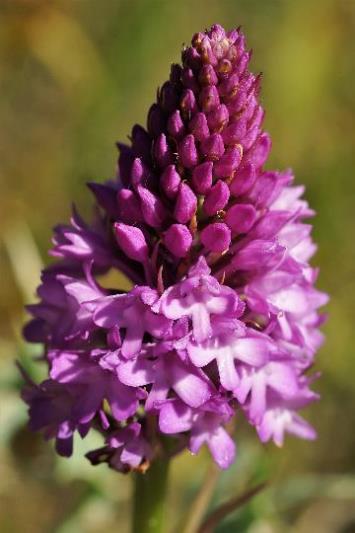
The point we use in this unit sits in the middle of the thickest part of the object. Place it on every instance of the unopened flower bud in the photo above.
(218, 118)
(175, 125)
(168, 97)
(233, 133)
(152, 208)
(228, 163)
(141, 142)
(207, 75)
(178, 240)
(216, 198)
(188, 152)
(156, 120)
(129, 206)
(162, 151)
(240, 217)
(216, 237)
(259, 152)
(186, 204)
(188, 79)
(199, 127)
(202, 177)
(213, 147)
(191, 57)
(132, 242)
(170, 181)
(188, 102)
(137, 172)
(243, 180)
(125, 162)
(209, 98)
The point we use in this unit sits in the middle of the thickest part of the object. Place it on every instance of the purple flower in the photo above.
(281, 417)
(205, 427)
(126, 449)
(65, 313)
(222, 314)
(132, 312)
(199, 297)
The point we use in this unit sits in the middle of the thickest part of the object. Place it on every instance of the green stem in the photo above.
(150, 491)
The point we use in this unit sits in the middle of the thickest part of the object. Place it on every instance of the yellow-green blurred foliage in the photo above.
(74, 76)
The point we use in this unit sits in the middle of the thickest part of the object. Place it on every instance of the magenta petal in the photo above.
(259, 254)
(68, 367)
(132, 342)
(132, 453)
(200, 354)
(190, 387)
(201, 322)
(253, 351)
(123, 400)
(217, 118)
(175, 417)
(301, 428)
(175, 125)
(240, 217)
(162, 151)
(227, 371)
(158, 393)
(282, 378)
(136, 372)
(108, 310)
(222, 448)
(258, 398)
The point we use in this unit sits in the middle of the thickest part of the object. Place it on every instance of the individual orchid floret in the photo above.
(132, 313)
(167, 374)
(205, 427)
(65, 313)
(230, 346)
(126, 449)
(281, 417)
(198, 297)
(82, 242)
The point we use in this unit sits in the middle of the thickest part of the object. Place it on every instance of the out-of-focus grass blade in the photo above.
(24, 257)
(26, 265)
(200, 503)
(227, 508)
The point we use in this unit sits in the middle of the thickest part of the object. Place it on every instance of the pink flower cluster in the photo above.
(223, 315)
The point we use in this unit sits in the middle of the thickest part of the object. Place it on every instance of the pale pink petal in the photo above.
(175, 417)
(222, 448)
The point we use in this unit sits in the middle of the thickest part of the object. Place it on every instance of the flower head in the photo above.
(223, 314)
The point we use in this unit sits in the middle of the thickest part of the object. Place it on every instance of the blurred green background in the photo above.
(74, 76)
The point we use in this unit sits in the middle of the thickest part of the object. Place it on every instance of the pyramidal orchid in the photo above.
(222, 317)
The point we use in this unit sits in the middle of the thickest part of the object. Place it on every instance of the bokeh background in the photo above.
(74, 76)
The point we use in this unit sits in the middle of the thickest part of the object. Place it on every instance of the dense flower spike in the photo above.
(223, 314)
